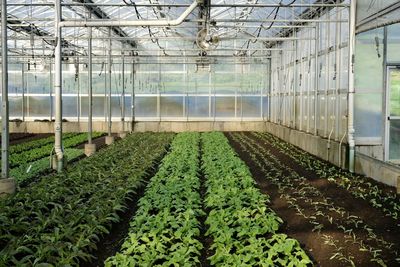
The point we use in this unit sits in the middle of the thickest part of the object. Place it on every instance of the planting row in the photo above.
(355, 184)
(36, 153)
(58, 220)
(241, 225)
(321, 212)
(165, 229)
(18, 148)
(24, 173)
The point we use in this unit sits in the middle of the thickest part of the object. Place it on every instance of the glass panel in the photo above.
(69, 106)
(394, 140)
(225, 107)
(171, 106)
(395, 92)
(15, 103)
(251, 106)
(369, 60)
(197, 106)
(38, 106)
(368, 115)
(393, 46)
(146, 106)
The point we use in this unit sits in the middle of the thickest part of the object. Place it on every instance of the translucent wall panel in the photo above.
(368, 115)
(224, 106)
(324, 70)
(98, 106)
(15, 106)
(394, 133)
(37, 82)
(146, 106)
(38, 106)
(393, 43)
(250, 106)
(171, 106)
(369, 61)
(198, 106)
(70, 106)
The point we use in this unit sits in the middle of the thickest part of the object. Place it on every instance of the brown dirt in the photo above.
(300, 228)
(18, 138)
(111, 243)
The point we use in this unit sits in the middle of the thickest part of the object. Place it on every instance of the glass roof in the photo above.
(246, 27)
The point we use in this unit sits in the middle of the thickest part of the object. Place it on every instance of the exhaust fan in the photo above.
(206, 40)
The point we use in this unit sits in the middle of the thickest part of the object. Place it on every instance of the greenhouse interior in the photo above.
(200, 133)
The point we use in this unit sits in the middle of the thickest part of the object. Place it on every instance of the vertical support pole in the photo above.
(133, 98)
(295, 73)
(327, 77)
(309, 81)
(7, 185)
(209, 94)
(58, 146)
(90, 87)
(269, 89)
(316, 85)
(109, 138)
(122, 133)
(23, 90)
(109, 62)
(90, 148)
(51, 90)
(338, 63)
(350, 119)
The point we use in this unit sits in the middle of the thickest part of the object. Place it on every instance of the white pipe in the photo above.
(58, 148)
(350, 118)
(109, 63)
(131, 23)
(90, 87)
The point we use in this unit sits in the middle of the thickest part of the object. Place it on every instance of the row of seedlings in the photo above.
(243, 228)
(326, 214)
(18, 148)
(165, 229)
(357, 185)
(58, 220)
(37, 153)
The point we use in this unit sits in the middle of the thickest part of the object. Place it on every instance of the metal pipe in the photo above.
(131, 23)
(109, 82)
(184, 5)
(72, 4)
(316, 85)
(123, 92)
(133, 99)
(58, 146)
(350, 118)
(23, 90)
(4, 100)
(90, 85)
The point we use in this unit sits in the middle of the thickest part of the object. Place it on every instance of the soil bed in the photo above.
(18, 138)
(300, 228)
(111, 243)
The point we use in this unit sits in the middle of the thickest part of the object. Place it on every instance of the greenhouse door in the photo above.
(393, 115)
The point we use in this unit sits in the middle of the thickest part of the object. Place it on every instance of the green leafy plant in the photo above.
(239, 220)
(58, 220)
(165, 229)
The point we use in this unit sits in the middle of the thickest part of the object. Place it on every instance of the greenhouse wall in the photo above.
(165, 92)
(310, 94)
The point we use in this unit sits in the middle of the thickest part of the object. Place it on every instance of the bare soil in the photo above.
(18, 138)
(301, 228)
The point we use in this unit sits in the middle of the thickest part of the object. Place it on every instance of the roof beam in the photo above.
(99, 13)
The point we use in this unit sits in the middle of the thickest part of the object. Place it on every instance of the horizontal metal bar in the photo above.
(181, 5)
